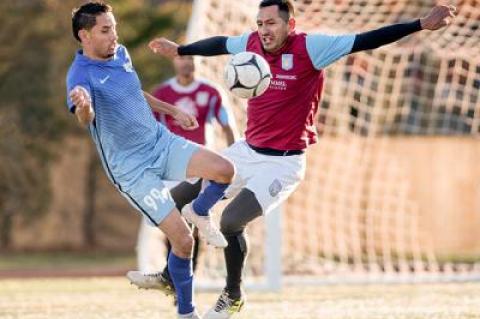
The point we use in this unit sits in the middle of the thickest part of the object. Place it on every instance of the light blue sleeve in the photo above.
(76, 77)
(325, 49)
(218, 111)
(223, 117)
(237, 44)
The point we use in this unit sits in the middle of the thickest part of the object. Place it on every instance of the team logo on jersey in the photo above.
(202, 98)
(128, 63)
(275, 188)
(287, 62)
(128, 66)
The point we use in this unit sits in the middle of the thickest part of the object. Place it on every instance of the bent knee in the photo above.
(184, 246)
(231, 226)
(224, 171)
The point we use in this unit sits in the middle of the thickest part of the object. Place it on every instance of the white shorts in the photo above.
(271, 178)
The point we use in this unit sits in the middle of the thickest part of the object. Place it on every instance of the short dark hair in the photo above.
(85, 17)
(285, 7)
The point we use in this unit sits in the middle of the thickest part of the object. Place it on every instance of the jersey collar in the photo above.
(83, 59)
(184, 89)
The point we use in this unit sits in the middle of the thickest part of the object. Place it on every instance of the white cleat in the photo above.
(193, 315)
(151, 281)
(225, 307)
(206, 228)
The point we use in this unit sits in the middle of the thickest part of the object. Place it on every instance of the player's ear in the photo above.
(291, 24)
(84, 35)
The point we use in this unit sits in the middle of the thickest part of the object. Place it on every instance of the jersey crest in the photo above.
(202, 98)
(128, 63)
(187, 105)
(287, 62)
(128, 66)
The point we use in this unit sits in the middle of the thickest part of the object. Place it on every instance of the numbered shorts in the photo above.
(148, 193)
(271, 178)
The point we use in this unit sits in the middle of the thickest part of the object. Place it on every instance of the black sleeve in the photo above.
(376, 38)
(206, 47)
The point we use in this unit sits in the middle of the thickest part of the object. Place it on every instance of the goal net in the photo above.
(395, 162)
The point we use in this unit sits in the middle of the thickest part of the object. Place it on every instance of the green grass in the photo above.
(65, 260)
(96, 298)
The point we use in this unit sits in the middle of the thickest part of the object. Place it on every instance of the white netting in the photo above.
(389, 119)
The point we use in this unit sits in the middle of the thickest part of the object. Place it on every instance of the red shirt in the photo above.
(199, 99)
(283, 117)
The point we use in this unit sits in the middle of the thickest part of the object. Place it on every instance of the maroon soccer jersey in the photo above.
(199, 99)
(283, 117)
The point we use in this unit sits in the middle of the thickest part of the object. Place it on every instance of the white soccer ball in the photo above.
(247, 75)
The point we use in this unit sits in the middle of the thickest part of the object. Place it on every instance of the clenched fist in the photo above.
(83, 105)
(185, 120)
(439, 17)
(164, 47)
(80, 97)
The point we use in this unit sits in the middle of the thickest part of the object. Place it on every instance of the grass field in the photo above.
(57, 261)
(95, 298)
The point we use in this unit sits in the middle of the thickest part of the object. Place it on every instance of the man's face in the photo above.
(273, 30)
(101, 40)
(184, 66)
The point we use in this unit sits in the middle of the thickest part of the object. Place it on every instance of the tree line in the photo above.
(37, 49)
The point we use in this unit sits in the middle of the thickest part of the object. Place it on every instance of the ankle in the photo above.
(234, 292)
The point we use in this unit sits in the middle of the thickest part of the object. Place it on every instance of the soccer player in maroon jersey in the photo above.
(280, 123)
(202, 100)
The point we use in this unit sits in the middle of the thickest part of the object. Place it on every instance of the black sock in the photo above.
(235, 256)
(196, 248)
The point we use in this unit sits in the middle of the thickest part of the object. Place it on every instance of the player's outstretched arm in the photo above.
(83, 105)
(186, 121)
(440, 16)
(206, 47)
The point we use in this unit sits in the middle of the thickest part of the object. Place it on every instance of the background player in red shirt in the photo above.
(280, 123)
(201, 99)
(196, 97)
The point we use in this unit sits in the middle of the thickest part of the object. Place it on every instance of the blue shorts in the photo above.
(148, 193)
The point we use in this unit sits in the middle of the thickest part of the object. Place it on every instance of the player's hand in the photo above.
(164, 47)
(186, 121)
(83, 105)
(439, 17)
(80, 98)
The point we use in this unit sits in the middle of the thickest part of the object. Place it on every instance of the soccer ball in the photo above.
(247, 75)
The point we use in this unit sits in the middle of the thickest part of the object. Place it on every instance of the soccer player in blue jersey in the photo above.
(137, 152)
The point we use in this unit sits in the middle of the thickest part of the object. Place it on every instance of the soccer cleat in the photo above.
(151, 281)
(193, 315)
(225, 307)
(206, 228)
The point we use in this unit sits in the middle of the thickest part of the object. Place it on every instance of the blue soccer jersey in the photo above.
(124, 129)
(137, 152)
